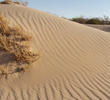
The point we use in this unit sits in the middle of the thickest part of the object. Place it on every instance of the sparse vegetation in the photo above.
(15, 41)
(98, 21)
(24, 55)
(4, 71)
(20, 2)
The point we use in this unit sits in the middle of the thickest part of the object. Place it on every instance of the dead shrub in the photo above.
(24, 55)
(14, 40)
(20, 2)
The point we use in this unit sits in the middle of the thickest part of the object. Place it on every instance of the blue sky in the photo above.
(73, 8)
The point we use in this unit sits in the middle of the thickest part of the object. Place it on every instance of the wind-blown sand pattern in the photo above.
(74, 61)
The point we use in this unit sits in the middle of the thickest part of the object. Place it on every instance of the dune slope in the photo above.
(101, 27)
(74, 59)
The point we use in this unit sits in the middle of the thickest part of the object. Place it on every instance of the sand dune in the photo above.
(74, 59)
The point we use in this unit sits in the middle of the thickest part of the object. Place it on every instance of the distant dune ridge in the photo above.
(74, 59)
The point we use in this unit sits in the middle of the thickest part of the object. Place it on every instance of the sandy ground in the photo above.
(101, 27)
(74, 59)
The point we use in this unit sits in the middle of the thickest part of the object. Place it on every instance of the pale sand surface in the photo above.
(74, 59)
(101, 27)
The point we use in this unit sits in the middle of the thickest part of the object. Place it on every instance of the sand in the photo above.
(101, 27)
(74, 61)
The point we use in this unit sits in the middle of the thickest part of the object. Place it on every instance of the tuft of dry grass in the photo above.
(24, 55)
(20, 2)
(14, 40)
(3, 70)
(6, 2)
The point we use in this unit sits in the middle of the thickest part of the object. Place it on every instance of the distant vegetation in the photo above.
(21, 2)
(98, 21)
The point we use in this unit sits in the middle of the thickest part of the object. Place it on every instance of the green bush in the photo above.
(94, 21)
(80, 20)
(98, 21)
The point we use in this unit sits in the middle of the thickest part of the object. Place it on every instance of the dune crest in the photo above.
(74, 59)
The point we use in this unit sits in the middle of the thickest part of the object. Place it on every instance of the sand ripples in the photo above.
(74, 63)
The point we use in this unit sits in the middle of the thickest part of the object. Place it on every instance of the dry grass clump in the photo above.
(6, 2)
(23, 55)
(3, 71)
(20, 2)
(15, 41)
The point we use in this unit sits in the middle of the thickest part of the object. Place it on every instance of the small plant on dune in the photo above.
(20, 2)
(6, 2)
(23, 55)
(15, 41)
(4, 71)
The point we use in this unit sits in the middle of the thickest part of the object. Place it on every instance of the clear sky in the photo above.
(73, 8)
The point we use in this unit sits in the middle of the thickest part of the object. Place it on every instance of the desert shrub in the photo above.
(15, 41)
(106, 20)
(80, 20)
(24, 3)
(101, 21)
(26, 56)
(94, 21)
(3, 71)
